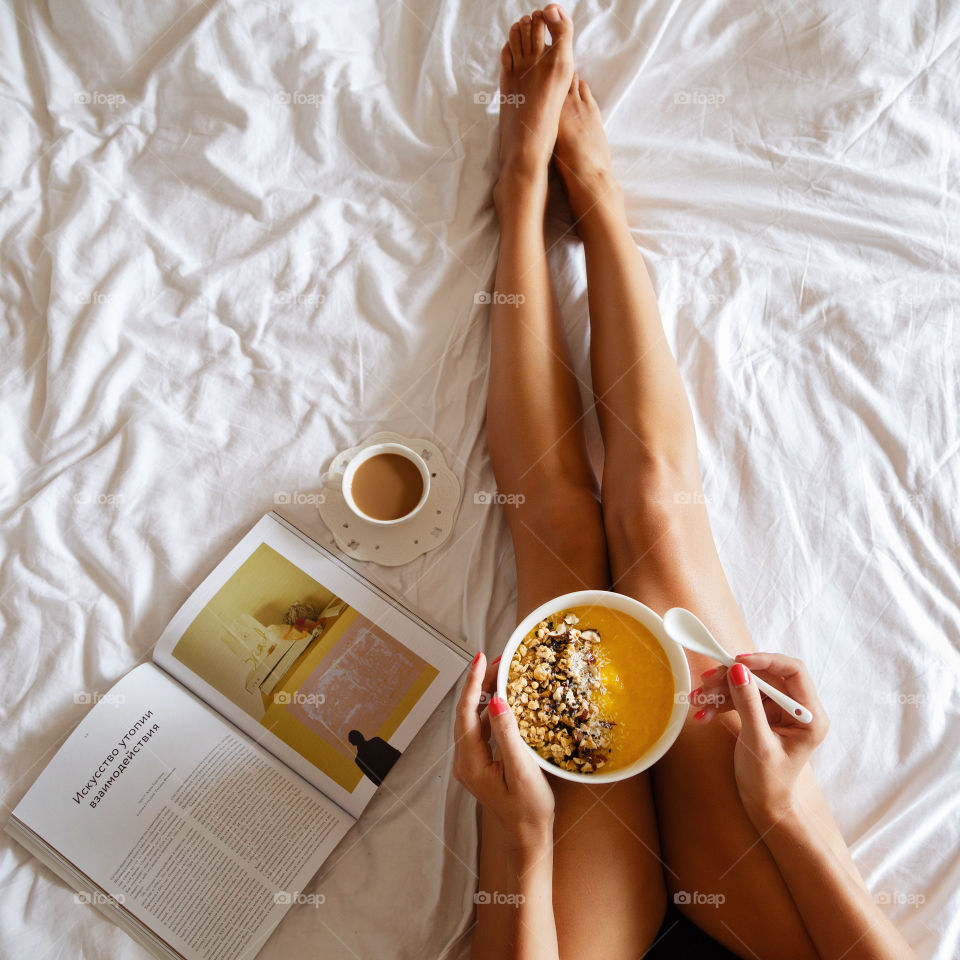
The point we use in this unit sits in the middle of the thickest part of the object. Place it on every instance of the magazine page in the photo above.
(184, 823)
(314, 663)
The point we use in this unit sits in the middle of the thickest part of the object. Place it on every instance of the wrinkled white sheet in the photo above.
(238, 238)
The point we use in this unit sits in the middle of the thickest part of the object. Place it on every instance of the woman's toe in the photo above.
(526, 30)
(506, 57)
(558, 23)
(537, 34)
(514, 40)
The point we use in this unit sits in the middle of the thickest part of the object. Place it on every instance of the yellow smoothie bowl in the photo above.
(598, 688)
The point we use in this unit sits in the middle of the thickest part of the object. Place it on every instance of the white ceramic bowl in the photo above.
(674, 654)
(374, 450)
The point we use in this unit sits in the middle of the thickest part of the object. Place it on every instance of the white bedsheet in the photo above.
(238, 238)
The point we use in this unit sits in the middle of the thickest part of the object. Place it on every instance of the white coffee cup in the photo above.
(368, 453)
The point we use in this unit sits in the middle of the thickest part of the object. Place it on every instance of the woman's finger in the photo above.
(755, 730)
(507, 734)
(489, 682)
(485, 726)
(775, 713)
(466, 713)
(714, 675)
(792, 677)
(705, 714)
(470, 751)
(714, 693)
(713, 681)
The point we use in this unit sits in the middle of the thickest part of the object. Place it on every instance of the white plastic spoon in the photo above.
(685, 628)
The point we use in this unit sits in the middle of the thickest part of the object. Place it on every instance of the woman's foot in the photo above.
(582, 154)
(534, 80)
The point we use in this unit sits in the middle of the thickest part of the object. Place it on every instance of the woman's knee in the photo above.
(650, 507)
(563, 517)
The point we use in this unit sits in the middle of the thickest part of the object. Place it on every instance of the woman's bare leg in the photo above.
(605, 837)
(662, 552)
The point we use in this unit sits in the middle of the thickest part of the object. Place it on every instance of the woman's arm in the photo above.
(517, 793)
(771, 752)
(839, 914)
(530, 872)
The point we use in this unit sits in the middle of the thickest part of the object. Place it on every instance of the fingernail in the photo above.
(710, 672)
(498, 705)
(700, 714)
(476, 658)
(696, 693)
(740, 675)
(492, 662)
(740, 655)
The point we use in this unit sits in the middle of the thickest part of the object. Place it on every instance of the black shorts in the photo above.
(679, 938)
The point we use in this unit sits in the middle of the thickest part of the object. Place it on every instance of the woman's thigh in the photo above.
(608, 889)
(718, 870)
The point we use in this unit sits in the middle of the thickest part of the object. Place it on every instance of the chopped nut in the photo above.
(554, 678)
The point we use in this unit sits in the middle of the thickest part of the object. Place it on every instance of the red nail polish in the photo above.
(492, 662)
(739, 655)
(710, 672)
(696, 693)
(700, 714)
(498, 705)
(476, 658)
(740, 675)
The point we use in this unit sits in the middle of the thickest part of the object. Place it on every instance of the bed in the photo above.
(238, 238)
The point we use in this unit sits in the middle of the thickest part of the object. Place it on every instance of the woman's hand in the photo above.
(513, 788)
(772, 746)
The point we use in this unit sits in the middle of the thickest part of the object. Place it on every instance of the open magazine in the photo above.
(203, 791)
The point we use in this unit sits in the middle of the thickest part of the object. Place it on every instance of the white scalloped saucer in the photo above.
(404, 541)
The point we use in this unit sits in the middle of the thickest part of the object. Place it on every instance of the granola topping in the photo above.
(553, 687)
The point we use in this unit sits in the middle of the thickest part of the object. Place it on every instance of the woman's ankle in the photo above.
(594, 191)
(520, 189)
